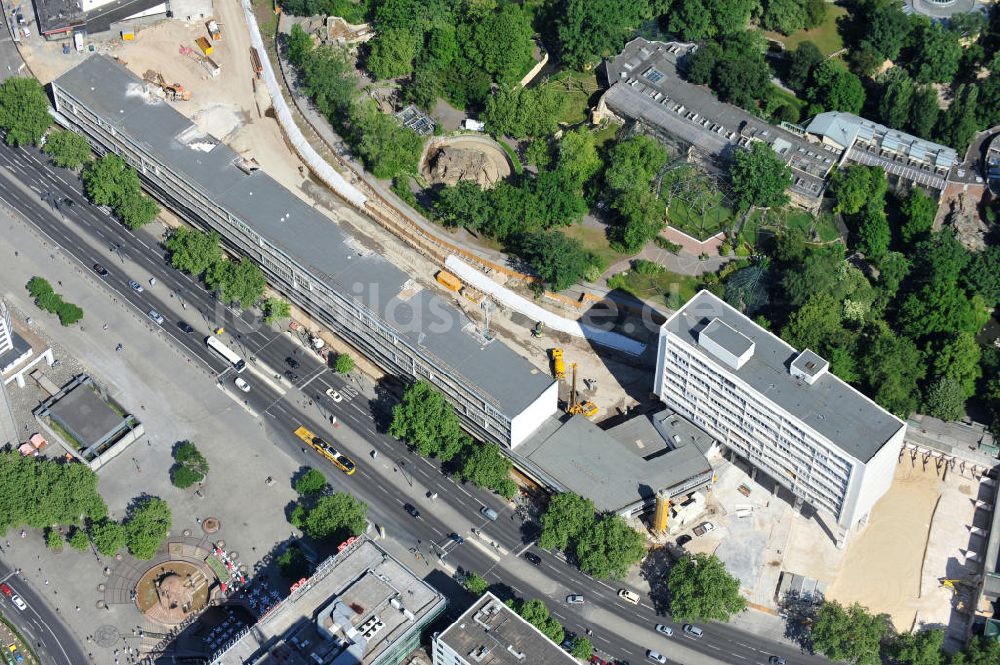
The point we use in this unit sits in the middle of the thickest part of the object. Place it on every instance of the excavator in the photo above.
(586, 407)
(173, 91)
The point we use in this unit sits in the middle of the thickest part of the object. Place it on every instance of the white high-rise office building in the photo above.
(779, 409)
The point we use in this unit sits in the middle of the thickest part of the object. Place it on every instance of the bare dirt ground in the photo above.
(477, 158)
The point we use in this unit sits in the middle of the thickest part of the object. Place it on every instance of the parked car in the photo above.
(185, 327)
(703, 528)
(568, 637)
(533, 558)
(136, 286)
(664, 630)
(597, 660)
(693, 631)
(410, 508)
(18, 603)
(683, 540)
(100, 270)
(656, 657)
(155, 316)
(6, 590)
(574, 599)
(628, 596)
(291, 362)
(334, 395)
(242, 385)
(291, 376)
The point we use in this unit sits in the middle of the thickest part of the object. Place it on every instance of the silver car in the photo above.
(136, 286)
(574, 599)
(153, 314)
(664, 630)
(656, 657)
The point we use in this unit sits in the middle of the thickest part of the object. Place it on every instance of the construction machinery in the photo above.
(173, 91)
(558, 364)
(205, 46)
(214, 30)
(584, 408)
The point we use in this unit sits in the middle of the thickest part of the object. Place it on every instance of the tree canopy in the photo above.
(537, 614)
(311, 483)
(190, 466)
(108, 536)
(336, 516)
(601, 545)
(38, 492)
(146, 526)
(110, 181)
(425, 420)
(701, 589)
(833, 88)
(850, 634)
(24, 110)
(564, 520)
(589, 30)
(67, 149)
(759, 177)
(524, 112)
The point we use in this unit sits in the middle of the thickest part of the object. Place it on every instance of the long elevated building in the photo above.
(366, 300)
(779, 409)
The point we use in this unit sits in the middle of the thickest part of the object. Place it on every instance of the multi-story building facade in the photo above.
(366, 300)
(490, 632)
(779, 409)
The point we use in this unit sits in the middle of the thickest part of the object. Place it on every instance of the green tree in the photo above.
(759, 177)
(816, 324)
(54, 540)
(524, 112)
(741, 76)
(874, 234)
(39, 492)
(918, 211)
(311, 483)
(784, 16)
(241, 282)
(608, 547)
(957, 125)
(935, 53)
(328, 79)
(292, 563)
(983, 275)
(392, 53)
(24, 110)
(559, 260)
(539, 153)
(896, 94)
(891, 369)
(108, 536)
(643, 216)
(501, 44)
(344, 364)
(945, 399)
(924, 111)
(136, 210)
(464, 205)
(537, 614)
(147, 526)
(855, 186)
(387, 148)
(485, 466)
(958, 358)
(850, 634)
(589, 30)
(980, 651)
(192, 251)
(581, 647)
(801, 62)
(337, 516)
(578, 158)
(78, 540)
(701, 589)
(567, 516)
(190, 466)
(67, 149)
(835, 89)
(427, 422)
(634, 162)
(475, 583)
(885, 28)
(275, 309)
(299, 45)
(108, 180)
(700, 65)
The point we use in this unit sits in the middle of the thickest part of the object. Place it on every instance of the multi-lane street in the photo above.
(39, 624)
(51, 199)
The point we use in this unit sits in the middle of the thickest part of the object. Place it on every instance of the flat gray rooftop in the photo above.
(366, 579)
(426, 320)
(623, 466)
(832, 408)
(57, 15)
(85, 415)
(496, 634)
(645, 84)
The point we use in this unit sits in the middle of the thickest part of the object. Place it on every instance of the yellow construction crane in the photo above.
(586, 408)
(173, 91)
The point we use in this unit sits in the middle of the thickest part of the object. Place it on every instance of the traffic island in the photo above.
(89, 425)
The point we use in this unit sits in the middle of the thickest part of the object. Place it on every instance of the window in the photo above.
(653, 75)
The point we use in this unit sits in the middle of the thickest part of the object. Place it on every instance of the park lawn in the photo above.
(576, 89)
(673, 288)
(826, 36)
(594, 240)
(605, 134)
(701, 225)
(788, 98)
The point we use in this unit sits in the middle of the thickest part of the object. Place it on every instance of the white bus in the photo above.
(226, 353)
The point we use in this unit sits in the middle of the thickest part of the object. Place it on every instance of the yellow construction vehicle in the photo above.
(173, 91)
(558, 365)
(586, 408)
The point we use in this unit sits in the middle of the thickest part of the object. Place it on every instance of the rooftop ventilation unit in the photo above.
(729, 346)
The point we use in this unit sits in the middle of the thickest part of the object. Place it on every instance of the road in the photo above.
(52, 200)
(39, 624)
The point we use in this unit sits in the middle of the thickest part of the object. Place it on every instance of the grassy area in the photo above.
(606, 134)
(817, 229)
(594, 240)
(825, 36)
(576, 89)
(701, 224)
(515, 160)
(650, 281)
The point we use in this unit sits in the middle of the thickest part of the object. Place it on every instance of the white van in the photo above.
(489, 513)
(628, 596)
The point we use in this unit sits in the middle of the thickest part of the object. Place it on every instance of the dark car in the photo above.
(683, 540)
(291, 376)
(457, 538)
(410, 508)
(100, 270)
(185, 327)
(568, 637)
(533, 558)
(291, 362)
(776, 660)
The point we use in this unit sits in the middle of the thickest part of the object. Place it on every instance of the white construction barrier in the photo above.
(483, 283)
(317, 164)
